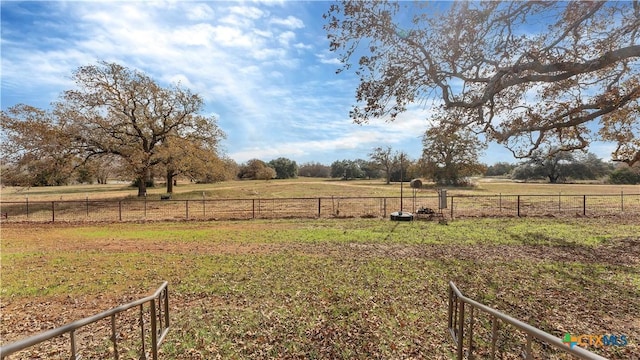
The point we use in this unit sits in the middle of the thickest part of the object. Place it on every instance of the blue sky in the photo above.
(263, 68)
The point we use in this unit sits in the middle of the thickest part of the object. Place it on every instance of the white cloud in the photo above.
(199, 12)
(327, 58)
(291, 22)
(285, 38)
(302, 46)
(247, 11)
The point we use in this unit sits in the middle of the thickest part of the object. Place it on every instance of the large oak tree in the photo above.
(123, 112)
(451, 155)
(529, 74)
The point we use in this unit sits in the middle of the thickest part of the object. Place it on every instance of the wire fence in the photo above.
(320, 207)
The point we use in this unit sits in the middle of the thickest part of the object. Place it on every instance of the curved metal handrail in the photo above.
(70, 328)
(526, 328)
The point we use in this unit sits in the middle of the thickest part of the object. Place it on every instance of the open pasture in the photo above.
(325, 288)
(302, 188)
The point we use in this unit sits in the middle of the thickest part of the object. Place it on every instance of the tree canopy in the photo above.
(572, 82)
(560, 166)
(285, 168)
(116, 111)
(450, 155)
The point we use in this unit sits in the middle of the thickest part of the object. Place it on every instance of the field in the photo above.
(304, 187)
(323, 288)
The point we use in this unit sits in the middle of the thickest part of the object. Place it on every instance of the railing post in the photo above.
(528, 348)
(494, 330)
(72, 334)
(470, 333)
(154, 331)
(460, 327)
(166, 306)
(114, 337)
(143, 354)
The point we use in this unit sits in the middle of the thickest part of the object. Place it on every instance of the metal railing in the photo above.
(320, 207)
(458, 304)
(159, 322)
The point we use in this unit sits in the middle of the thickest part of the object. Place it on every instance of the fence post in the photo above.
(53, 211)
(518, 205)
(319, 204)
(621, 200)
(253, 208)
(186, 204)
(500, 202)
(451, 206)
(120, 210)
(384, 208)
(584, 205)
(559, 202)
(87, 200)
(27, 207)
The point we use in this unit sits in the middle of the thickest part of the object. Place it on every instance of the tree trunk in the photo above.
(169, 182)
(142, 186)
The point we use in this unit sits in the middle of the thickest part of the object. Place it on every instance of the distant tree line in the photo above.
(566, 166)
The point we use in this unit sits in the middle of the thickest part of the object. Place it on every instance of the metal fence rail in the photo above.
(463, 314)
(158, 306)
(278, 208)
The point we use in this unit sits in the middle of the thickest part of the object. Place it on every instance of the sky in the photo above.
(263, 69)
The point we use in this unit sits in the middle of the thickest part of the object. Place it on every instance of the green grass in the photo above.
(331, 288)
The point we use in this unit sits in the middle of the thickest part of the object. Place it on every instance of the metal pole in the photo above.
(186, 204)
(319, 205)
(584, 205)
(53, 211)
(518, 205)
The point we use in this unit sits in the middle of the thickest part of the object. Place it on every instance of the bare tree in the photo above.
(385, 159)
(524, 89)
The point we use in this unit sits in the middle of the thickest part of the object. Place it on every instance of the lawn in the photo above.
(326, 288)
